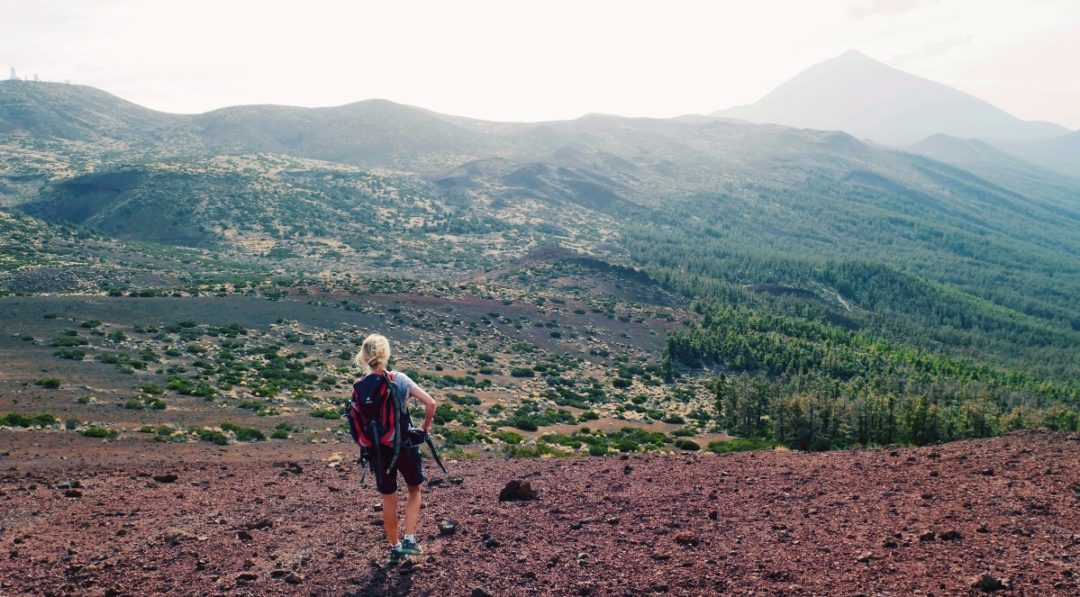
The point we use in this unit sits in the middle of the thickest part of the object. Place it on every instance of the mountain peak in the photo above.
(867, 98)
(854, 54)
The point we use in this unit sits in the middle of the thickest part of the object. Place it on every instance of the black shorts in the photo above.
(408, 464)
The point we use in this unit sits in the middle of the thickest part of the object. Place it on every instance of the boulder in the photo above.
(517, 491)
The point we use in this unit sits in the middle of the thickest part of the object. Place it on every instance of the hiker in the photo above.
(380, 424)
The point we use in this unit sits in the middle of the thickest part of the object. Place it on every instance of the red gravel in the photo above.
(842, 523)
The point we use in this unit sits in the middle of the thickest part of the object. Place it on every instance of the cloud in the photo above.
(871, 8)
(930, 50)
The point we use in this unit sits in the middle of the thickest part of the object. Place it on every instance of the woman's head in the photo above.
(374, 353)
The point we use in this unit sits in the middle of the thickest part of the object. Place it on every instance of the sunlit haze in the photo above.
(536, 60)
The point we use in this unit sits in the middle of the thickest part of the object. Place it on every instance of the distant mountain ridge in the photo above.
(857, 94)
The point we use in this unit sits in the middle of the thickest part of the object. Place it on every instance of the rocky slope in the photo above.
(961, 518)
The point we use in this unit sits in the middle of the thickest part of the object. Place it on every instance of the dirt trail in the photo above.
(243, 520)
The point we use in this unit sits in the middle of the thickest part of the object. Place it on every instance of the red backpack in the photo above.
(377, 417)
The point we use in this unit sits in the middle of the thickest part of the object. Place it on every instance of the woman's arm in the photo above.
(429, 406)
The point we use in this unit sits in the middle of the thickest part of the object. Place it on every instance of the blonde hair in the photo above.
(374, 353)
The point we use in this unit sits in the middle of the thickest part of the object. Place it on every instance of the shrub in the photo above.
(621, 383)
(459, 437)
(69, 341)
(524, 422)
(509, 437)
(211, 435)
(244, 434)
(279, 434)
(740, 445)
(325, 413)
(51, 383)
(18, 420)
(598, 449)
(100, 432)
(674, 420)
(588, 416)
(464, 400)
(522, 372)
(687, 444)
(519, 451)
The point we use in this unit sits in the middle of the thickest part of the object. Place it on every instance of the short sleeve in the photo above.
(404, 383)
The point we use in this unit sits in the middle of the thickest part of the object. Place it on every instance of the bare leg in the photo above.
(412, 509)
(389, 517)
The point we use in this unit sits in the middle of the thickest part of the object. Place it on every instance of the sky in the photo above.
(521, 60)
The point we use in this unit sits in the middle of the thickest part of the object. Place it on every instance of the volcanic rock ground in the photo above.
(264, 519)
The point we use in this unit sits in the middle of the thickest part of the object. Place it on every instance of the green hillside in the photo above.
(825, 272)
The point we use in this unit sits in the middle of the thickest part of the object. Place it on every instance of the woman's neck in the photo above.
(379, 371)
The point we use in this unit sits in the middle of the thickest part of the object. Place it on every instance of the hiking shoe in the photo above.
(397, 556)
(411, 548)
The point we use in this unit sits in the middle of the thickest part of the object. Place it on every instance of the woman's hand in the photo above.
(429, 406)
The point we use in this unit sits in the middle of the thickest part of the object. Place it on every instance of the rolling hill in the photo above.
(817, 264)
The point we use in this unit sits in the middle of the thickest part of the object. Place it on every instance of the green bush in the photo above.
(243, 434)
(17, 420)
(325, 413)
(72, 354)
(51, 383)
(740, 445)
(212, 435)
(100, 432)
(522, 372)
(69, 341)
(465, 400)
(509, 437)
(687, 444)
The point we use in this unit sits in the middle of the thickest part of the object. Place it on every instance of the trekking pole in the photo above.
(434, 453)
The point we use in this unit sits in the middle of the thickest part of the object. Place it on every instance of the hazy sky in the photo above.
(551, 59)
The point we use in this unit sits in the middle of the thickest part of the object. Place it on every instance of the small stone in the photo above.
(69, 484)
(890, 544)
(687, 538)
(448, 527)
(987, 472)
(983, 528)
(73, 493)
(175, 536)
(491, 543)
(262, 524)
(989, 583)
(927, 536)
(517, 490)
(294, 579)
(576, 525)
(951, 536)
(478, 592)
(246, 577)
(244, 536)
(167, 478)
(865, 557)
(713, 515)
